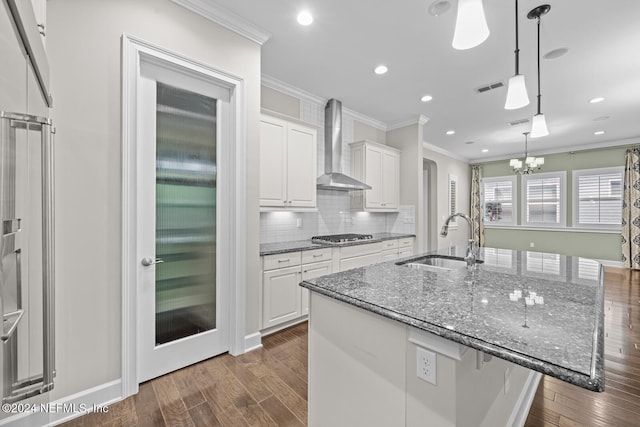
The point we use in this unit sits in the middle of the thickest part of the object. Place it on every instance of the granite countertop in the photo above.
(305, 245)
(560, 335)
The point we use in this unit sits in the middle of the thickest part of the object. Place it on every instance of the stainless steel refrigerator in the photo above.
(27, 352)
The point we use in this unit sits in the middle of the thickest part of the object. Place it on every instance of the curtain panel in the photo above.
(631, 210)
(477, 212)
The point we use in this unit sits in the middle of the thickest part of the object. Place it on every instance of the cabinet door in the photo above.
(390, 180)
(281, 296)
(273, 160)
(311, 271)
(373, 172)
(390, 255)
(301, 166)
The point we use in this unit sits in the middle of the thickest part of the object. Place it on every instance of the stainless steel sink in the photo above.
(437, 262)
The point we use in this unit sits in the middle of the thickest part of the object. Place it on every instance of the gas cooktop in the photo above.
(341, 238)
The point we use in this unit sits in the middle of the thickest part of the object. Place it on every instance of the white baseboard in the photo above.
(523, 404)
(69, 407)
(252, 342)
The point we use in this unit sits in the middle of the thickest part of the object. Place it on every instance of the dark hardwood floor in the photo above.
(560, 404)
(268, 387)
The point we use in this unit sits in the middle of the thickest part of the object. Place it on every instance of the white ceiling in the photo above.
(335, 57)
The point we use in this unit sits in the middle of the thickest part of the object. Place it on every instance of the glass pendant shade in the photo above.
(471, 25)
(539, 126)
(516, 93)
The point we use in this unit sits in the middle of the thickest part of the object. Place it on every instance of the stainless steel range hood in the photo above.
(333, 178)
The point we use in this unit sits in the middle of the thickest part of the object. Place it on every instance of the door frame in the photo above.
(134, 51)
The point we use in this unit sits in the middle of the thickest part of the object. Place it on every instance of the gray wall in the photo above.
(83, 43)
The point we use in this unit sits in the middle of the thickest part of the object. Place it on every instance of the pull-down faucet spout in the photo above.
(470, 257)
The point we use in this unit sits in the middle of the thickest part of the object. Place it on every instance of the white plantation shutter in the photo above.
(498, 196)
(597, 197)
(544, 199)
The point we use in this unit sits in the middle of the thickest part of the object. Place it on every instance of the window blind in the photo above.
(599, 198)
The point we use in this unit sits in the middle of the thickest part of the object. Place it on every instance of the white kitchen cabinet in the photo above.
(288, 153)
(283, 299)
(311, 271)
(378, 166)
(360, 255)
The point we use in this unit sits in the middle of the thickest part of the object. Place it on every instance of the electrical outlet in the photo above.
(426, 365)
(532, 245)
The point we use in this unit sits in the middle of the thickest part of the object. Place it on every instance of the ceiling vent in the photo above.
(489, 87)
(519, 122)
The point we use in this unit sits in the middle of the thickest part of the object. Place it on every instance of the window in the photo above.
(453, 199)
(597, 197)
(543, 199)
(498, 200)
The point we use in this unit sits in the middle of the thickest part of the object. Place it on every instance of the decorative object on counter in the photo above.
(471, 25)
(631, 210)
(531, 164)
(530, 299)
(516, 90)
(341, 238)
(539, 123)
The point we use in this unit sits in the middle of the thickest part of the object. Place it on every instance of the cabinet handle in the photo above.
(318, 256)
(284, 260)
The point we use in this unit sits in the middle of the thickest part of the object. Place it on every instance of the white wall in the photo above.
(84, 47)
(446, 166)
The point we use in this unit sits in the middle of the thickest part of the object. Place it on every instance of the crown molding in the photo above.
(288, 89)
(365, 119)
(227, 19)
(444, 152)
(565, 149)
(420, 120)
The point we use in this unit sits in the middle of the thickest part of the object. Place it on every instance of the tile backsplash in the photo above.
(333, 217)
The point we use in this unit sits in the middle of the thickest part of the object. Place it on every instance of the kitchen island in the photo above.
(482, 336)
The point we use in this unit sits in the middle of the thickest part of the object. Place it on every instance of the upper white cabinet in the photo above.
(378, 166)
(287, 164)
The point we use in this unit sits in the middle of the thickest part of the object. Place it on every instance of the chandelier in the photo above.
(530, 164)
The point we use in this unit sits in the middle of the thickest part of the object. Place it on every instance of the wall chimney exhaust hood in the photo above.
(333, 178)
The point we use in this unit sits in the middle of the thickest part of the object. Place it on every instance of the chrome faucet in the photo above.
(470, 257)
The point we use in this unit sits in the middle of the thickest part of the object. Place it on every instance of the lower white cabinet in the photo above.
(284, 301)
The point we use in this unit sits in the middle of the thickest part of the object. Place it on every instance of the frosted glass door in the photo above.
(181, 316)
(185, 213)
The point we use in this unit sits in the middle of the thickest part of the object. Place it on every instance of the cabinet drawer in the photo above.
(269, 262)
(358, 250)
(389, 244)
(403, 243)
(405, 252)
(316, 255)
(360, 261)
(389, 255)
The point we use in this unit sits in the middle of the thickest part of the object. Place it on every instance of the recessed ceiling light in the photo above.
(451, 132)
(485, 150)
(596, 100)
(600, 132)
(439, 7)
(380, 69)
(426, 98)
(304, 18)
(556, 53)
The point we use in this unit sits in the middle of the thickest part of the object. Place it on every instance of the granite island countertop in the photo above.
(561, 335)
(305, 245)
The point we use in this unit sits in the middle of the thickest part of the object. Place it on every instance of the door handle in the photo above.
(149, 261)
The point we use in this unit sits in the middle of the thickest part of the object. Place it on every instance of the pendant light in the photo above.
(530, 163)
(471, 25)
(516, 90)
(539, 123)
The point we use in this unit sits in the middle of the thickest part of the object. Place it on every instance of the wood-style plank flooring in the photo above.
(268, 387)
(561, 404)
